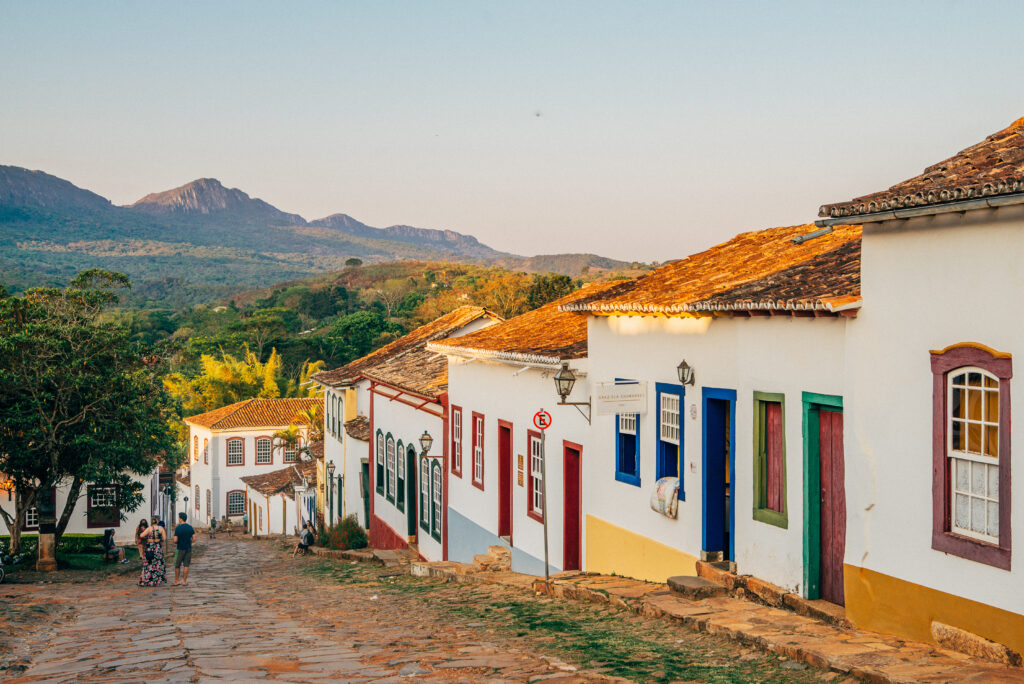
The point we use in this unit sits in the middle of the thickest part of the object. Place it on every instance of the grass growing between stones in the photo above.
(592, 636)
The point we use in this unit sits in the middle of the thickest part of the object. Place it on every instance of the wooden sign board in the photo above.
(613, 398)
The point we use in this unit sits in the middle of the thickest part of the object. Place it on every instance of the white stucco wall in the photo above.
(279, 513)
(500, 391)
(927, 283)
(768, 354)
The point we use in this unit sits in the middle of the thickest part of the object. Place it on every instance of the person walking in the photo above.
(154, 572)
(183, 534)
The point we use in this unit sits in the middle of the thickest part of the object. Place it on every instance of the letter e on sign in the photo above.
(542, 419)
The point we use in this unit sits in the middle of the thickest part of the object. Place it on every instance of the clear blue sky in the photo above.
(638, 130)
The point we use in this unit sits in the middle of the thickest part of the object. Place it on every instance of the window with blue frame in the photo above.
(627, 461)
(670, 431)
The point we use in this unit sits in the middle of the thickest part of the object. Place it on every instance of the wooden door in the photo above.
(505, 480)
(411, 509)
(833, 505)
(572, 504)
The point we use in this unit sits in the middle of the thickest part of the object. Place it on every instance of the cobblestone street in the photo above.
(250, 613)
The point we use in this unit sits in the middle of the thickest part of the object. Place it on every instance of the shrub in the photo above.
(347, 534)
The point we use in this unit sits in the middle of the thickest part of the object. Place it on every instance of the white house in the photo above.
(232, 442)
(274, 505)
(706, 377)
(376, 410)
(930, 364)
(498, 378)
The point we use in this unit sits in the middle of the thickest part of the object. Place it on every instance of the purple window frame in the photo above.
(999, 364)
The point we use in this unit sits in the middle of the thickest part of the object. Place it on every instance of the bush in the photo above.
(347, 534)
(85, 543)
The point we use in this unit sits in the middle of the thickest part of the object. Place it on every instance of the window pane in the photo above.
(958, 379)
(974, 404)
(958, 403)
(961, 513)
(978, 520)
(991, 382)
(974, 438)
(958, 436)
(992, 440)
(963, 475)
(978, 479)
(974, 379)
(992, 406)
(993, 482)
(993, 519)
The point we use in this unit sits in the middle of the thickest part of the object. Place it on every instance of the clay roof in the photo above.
(185, 479)
(445, 326)
(420, 371)
(995, 166)
(358, 428)
(283, 480)
(546, 335)
(827, 282)
(316, 449)
(254, 413)
(674, 289)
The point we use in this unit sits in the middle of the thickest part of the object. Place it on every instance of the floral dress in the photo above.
(153, 572)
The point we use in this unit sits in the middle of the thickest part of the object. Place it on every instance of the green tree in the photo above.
(79, 401)
(548, 288)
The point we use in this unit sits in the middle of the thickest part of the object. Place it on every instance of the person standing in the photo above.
(154, 572)
(183, 534)
(140, 544)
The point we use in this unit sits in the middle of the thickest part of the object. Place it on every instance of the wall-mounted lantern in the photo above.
(686, 374)
(426, 441)
(565, 379)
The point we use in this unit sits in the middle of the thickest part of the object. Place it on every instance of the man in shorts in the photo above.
(183, 534)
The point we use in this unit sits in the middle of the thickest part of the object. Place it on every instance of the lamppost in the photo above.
(564, 381)
(330, 491)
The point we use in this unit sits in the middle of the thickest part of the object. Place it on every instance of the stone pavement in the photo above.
(248, 614)
(865, 655)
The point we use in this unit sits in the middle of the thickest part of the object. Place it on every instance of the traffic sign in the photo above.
(542, 419)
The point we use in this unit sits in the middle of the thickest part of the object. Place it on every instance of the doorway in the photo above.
(824, 498)
(364, 489)
(505, 480)
(411, 508)
(719, 482)
(572, 506)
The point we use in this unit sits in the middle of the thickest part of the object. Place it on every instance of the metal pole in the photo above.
(544, 496)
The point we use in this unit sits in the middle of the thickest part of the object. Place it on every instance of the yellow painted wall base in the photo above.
(885, 604)
(613, 549)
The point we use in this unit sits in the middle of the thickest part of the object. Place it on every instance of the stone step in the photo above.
(500, 551)
(695, 588)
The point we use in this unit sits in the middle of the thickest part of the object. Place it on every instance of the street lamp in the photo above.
(426, 441)
(686, 374)
(565, 379)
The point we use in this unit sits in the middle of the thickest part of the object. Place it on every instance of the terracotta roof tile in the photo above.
(283, 480)
(358, 428)
(443, 327)
(254, 413)
(827, 282)
(674, 288)
(994, 166)
(545, 335)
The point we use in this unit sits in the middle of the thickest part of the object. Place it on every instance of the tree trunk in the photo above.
(14, 523)
(69, 508)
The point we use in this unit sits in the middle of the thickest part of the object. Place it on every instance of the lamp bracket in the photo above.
(579, 407)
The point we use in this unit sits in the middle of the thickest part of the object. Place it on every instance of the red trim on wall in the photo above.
(227, 448)
(255, 452)
(445, 430)
(530, 434)
(383, 537)
(1000, 365)
(483, 452)
(420, 403)
(372, 488)
(449, 422)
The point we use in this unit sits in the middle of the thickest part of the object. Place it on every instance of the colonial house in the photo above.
(236, 441)
(930, 501)
(275, 501)
(400, 392)
(498, 458)
(711, 378)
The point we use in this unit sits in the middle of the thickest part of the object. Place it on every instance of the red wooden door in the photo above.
(572, 505)
(505, 480)
(833, 505)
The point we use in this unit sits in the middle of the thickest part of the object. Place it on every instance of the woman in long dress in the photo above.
(153, 571)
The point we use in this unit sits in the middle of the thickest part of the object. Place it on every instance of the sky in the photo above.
(635, 130)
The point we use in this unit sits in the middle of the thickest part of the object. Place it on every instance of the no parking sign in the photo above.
(542, 419)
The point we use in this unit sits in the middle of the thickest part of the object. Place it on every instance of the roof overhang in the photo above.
(511, 357)
(914, 212)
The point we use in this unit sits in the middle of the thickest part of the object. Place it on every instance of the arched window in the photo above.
(236, 451)
(435, 518)
(400, 477)
(264, 451)
(391, 469)
(236, 503)
(425, 494)
(378, 475)
(971, 453)
(333, 415)
(206, 451)
(197, 498)
(195, 448)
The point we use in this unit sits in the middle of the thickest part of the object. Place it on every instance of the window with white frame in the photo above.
(669, 402)
(236, 503)
(457, 440)
(264, 451)
(974, 453)
(378, 475)
(291, 452)
(478, 449)
(206, 451)
(236, 452)
(103, 497)
(32, 516)
(425, 494)
(391, 469)
(536, 488)
(435, 518)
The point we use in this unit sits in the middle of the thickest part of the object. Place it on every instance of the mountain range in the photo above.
(203, 241)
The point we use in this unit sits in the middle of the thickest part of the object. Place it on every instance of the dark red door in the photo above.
(833, 505)
(505, 480)
(571, 521)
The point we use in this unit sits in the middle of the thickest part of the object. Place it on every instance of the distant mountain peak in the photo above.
(208, 196)
(21, 187)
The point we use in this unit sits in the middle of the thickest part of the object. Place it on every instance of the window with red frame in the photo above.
(478, 450)
(236, 503)
(264, 451)
(102, 509)
(206, 451)
(197, 498)
(195, 448)
(457, 441)
(236, 452)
